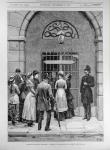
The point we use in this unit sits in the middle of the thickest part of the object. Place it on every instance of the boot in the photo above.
(85, 117)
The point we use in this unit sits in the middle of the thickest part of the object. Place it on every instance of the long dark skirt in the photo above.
(70, 111)
(61, 115)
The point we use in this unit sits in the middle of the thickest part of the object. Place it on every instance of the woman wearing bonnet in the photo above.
(60, 97)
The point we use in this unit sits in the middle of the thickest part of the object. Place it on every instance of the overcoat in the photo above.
(44, 95)
(85, 90)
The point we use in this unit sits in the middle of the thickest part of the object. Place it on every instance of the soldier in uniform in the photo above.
(86, 92)
(44, 94)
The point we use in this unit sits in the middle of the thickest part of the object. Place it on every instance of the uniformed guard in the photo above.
(86, 92)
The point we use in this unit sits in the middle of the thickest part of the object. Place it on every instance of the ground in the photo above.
(74, 129)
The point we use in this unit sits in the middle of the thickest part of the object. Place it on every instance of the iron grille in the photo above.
(68, 62)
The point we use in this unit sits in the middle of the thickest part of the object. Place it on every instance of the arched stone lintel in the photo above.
(98, 39)
(25, 22)
(95, 23)
(98, 36)
(90, 15)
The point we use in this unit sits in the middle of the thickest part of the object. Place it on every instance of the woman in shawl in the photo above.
(70, 111)
(29, 110)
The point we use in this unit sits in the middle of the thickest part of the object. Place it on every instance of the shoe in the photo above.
(47, 129)
(30, 124)
(84, 118)
(88, 119)
(13, 123)
(39, 128)
(20, 120)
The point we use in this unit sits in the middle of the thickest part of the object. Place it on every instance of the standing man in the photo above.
(44, 94)
(52, 83)
(18, 77)
(35, 81)
(86, 92)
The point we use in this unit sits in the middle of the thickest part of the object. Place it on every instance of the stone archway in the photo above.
(99, 52)
(89, 15)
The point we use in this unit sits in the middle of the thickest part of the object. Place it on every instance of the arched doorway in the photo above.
(97, 38)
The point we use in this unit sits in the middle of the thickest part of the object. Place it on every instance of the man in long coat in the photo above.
(86, 92)
(44, 94)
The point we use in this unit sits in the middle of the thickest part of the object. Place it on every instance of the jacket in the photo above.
(44, 96)
(85, 90)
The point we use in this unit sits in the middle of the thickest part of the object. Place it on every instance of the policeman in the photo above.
(86, 92)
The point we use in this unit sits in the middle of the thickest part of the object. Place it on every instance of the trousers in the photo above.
(41, 114)
(87, 110)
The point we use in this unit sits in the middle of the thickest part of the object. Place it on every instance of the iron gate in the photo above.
(52, 62)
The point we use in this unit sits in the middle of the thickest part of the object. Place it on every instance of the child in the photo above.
(13, 106)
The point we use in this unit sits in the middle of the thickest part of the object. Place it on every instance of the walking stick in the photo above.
(58, 119)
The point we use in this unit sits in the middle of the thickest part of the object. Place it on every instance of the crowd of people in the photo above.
(29, 98)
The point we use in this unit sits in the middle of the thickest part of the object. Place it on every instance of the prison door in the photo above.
(68, 62)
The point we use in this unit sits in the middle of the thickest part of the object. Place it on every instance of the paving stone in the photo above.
(75, 125)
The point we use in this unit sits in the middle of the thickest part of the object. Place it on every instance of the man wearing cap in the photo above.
(18, 78)
(35, 81)
(86, 92)
(44, 94)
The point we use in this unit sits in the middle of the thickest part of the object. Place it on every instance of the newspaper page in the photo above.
(55, 74)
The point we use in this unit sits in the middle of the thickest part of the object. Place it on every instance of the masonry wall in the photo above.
(84, 46)
(27, 57)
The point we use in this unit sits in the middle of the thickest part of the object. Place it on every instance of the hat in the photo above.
(35, 72)
(88, 68)
(61, 73)
(17, 70)
(68, 76)
(45, 76)
(11, 78)
(29, 74)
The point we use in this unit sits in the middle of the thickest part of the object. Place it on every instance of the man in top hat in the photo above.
(44, 94)
(86, 92)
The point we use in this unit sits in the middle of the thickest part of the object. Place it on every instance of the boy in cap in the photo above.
(86, 92)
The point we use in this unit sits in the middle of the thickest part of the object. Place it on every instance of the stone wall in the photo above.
(25, 43)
